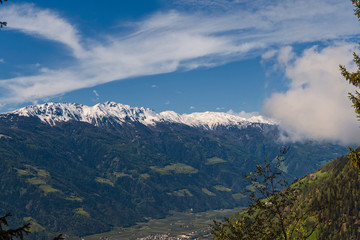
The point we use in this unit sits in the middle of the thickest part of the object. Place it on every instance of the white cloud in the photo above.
(285, 55)
(225, 4)
(315, 105)
(169, 41)
(192, 107)
(2, 60)
(96, 94)
(282, 57)
(42, 23)
(243, 114)
(154, 86)
(269, 54)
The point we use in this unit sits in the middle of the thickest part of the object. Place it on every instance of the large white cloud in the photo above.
(169, 41)
(316, 105)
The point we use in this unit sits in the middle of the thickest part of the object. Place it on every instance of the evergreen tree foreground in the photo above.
(274, 211)
(7, 233)
(354, 79)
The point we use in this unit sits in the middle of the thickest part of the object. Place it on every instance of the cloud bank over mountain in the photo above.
(315, 105)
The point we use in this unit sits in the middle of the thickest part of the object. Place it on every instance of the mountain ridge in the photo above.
(117, 113)
(78, 178)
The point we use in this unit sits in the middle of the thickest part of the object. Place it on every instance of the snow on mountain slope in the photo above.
(118, 113)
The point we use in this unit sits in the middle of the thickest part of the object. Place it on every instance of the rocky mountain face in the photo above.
(79, 170)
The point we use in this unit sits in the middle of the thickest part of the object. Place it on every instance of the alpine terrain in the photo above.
(74, 169)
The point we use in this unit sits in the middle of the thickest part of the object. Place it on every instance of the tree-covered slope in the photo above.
(77, 178)
(326, 200)
(336, 189)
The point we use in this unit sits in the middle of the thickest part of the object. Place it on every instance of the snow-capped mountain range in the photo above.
(112, 112)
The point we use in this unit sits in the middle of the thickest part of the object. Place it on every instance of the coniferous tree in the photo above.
(8, 233)
(274, 211)
(354, 79)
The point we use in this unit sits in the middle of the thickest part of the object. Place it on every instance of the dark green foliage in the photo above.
(355, 158)
(338, 187)
(79, 179)
(7, 233)
(330, 196)
(274, 211)
(59, 237)
(354, 79)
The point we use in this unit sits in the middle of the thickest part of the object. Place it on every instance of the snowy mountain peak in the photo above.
(112, 112)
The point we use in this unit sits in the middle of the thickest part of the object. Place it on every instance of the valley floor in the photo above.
(177, 226)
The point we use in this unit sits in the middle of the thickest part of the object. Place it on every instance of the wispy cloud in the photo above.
(243, 114)
(216, 5)
(43, 23)
(316, 106)
(96, 94)
(169, 41)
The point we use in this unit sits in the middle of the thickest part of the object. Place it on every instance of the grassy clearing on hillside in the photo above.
(315, 176)
(48, 189)
(177, 168)
(214, 160)
(32, 171)
(34, 226)
(81, 211)
(207, 192)
(39, 177)
(36, 181)
(42, 173)
(74, 198)
(222, 188)
(23, 172)
(120, 174)
(104, 181)
(181, 193)
(145, 176)
(238, 196)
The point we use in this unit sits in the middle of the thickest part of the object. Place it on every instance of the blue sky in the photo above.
(279, 58)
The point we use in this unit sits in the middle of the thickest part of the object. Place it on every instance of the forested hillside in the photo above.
(79, 179)
(336, 189)
(322, 205)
